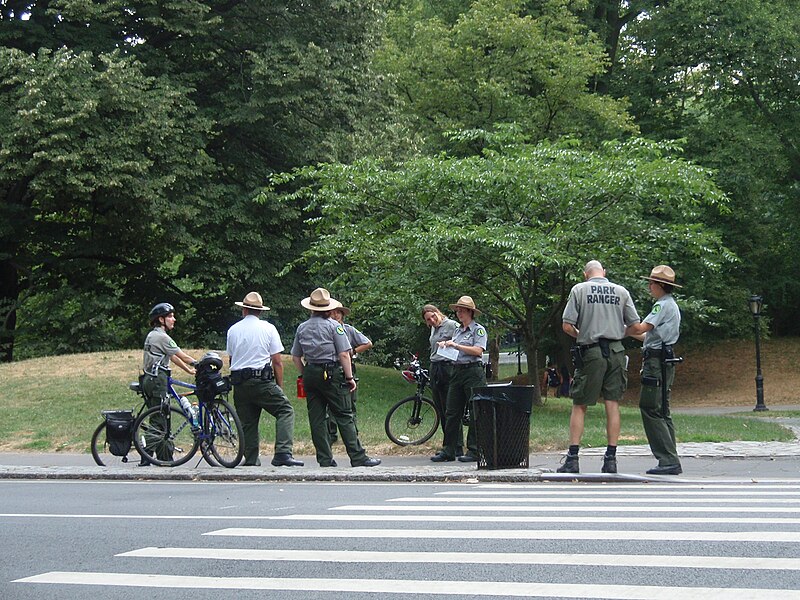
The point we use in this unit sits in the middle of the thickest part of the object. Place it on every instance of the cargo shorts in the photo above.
(600, 376)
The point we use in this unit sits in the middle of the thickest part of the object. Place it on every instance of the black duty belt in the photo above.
(595, 345)
(649, 353)
(325, 365)
(242, 375)
(467, 365)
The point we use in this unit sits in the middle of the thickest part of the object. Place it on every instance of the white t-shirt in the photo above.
(252, 342)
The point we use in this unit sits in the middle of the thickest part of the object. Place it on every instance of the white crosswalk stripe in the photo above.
(746, 529)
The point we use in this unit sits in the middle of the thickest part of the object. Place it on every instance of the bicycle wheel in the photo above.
(226, 430)
(208, 455)
(102, 455)
(412, 421)
(165, 440)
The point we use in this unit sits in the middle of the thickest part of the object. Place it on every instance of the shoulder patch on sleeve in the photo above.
(340, 330)
(172, 344)
(656, 308)
(481, 331)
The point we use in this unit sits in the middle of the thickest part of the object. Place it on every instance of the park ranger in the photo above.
(358, 343)
(159, 350)
(660, 331)
(321, 353)
(596, 315)
(254, 348)
(470, 341)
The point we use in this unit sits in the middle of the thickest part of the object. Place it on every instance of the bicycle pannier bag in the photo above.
(119, 427)
(209, 379)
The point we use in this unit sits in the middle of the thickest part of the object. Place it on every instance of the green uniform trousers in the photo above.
(328, 399)
(658, 424)
(250, 398)
(458, 394)
(332, 427)
(155, 389)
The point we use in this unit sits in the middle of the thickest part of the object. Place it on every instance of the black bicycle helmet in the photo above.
(162, 309)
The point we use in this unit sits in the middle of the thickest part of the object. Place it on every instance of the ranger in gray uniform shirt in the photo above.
(442, 329)
(596, 314)
(660, 331)
(321, 353)
(468, 372)
(358, 343)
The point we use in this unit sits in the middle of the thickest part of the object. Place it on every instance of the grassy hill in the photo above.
(54, 403)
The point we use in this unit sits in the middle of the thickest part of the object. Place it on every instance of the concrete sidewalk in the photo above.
(735, 461)
(702, 462)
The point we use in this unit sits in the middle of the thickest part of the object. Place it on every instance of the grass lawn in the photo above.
(53, 404)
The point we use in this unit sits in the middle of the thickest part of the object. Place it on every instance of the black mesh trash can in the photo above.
(503, 425)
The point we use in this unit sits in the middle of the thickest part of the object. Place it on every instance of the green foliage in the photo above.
(93, 155)
(136, 137)
(723, 76)
(513, 227)
(499, 62)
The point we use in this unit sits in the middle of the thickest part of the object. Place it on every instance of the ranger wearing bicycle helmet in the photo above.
(159, 350)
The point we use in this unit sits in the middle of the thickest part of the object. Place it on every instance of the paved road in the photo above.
(301, 541)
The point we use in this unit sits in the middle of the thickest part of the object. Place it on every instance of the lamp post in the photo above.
(755, 310)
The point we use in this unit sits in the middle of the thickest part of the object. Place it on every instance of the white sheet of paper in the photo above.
(447, 352)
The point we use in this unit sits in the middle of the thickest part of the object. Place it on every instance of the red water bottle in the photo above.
(301, 390)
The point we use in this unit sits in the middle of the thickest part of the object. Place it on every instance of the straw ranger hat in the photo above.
(320, 301)
(465, 302)
(252, 301)
(663, 274)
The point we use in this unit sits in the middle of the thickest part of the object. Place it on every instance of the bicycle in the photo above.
(163, 435)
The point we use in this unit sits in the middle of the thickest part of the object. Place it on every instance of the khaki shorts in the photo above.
(606, 376)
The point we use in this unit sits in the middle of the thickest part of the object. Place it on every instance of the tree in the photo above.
(512, 227)
(500, 62)
(256, 87)
(723, 77)
(93, 152)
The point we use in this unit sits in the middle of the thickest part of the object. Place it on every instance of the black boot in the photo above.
(570, 464)
(609, 464)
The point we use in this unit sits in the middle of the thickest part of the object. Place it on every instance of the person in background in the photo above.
(359, 343)
(470, 341)
(596, 315)
(551, 379)
(254, 349)
(660, 331)
(321, 352)
(441, 372)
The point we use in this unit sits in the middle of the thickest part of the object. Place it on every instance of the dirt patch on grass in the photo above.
(724, 374)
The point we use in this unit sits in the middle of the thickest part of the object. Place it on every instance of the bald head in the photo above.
(593, 268)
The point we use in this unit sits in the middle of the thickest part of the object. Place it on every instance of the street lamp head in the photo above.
(755, 305)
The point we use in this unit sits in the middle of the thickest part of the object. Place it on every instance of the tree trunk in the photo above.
(9, 294)
(531, 343)
(494, 357)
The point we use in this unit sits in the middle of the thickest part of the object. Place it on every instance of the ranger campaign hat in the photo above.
(252, 301)
(320, 301)
(663, 274)
(344, 309)
(465, 302)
